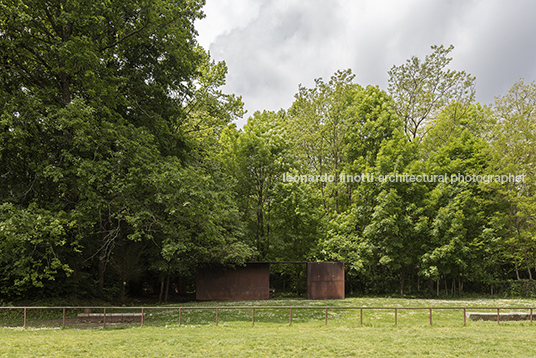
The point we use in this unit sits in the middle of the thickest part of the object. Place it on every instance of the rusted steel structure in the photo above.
(251, 282)
(325, 280)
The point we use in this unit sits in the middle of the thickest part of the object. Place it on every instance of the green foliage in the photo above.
(120, 168)
(295, 222)
(317, 123)
(371, 121)
(109, 120)
(512, 153)
(32, 241)
(257, 157)
(198, 220)
(423, 88)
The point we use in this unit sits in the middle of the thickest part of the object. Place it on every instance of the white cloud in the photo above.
(272, 46)
(222, 16)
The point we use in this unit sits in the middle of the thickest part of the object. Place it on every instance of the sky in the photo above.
(273, 46)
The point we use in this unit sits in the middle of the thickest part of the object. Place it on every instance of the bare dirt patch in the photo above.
(82, 323)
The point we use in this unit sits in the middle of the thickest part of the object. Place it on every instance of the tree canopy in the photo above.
(106, 112)
(122, 170)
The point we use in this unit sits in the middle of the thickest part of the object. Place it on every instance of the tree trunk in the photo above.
(65, 79)
(527, 259)
(168, 279)
(515, 263)
(323, 196)
(181, 288)
(161, 291)
(336, 162)
(298, 281)
(512, 214)
(260, 223)
(402, 279)
(533, 262)
(102, 268)
(123, 292)
(65, 88)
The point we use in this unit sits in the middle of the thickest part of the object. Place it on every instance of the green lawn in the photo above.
(273, 336)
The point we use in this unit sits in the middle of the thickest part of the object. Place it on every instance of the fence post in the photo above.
(395, 315)
(24, 326)
(142, 317)
(464, 316)
(253, 316)
(361, 316)
(63, 325)
(291, 315)
(104, 319)
(430, 316)
(180, 316)
(327, 316)
(498, 315)
(531, 315)
(216, 316)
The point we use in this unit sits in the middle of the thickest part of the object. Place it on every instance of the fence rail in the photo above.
(253, 308)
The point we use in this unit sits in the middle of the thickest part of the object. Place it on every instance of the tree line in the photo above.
(122, 169)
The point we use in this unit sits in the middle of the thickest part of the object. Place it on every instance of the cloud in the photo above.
(224, 16)
(498, 46)
(271, 47)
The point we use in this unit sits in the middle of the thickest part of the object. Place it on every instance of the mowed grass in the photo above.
(272, 335)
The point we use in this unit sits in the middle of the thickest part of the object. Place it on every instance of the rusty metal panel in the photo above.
(251, 282)
(325, 280)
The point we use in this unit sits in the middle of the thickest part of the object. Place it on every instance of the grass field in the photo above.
(273, 336)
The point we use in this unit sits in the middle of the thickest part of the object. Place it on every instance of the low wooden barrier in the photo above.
(473, 315)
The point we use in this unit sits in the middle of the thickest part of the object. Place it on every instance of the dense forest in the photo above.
(122, 169)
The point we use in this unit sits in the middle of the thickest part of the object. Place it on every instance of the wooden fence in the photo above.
(324, 309)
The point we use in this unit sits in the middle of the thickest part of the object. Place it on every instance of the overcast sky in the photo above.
(272, 46)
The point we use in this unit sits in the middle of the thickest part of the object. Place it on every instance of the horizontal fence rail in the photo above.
(253, 308)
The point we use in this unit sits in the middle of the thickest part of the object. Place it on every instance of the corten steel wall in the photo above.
(251, 282)
(325, 280)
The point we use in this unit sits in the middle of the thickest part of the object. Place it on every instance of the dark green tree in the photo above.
(100, 102)
(257, 157)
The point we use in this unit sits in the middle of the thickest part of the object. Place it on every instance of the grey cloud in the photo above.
(500, 46)
(292, 42)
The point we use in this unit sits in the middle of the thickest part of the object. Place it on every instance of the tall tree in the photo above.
(398, 224)
(513, 154)
(380, 236)
(101, 100)
(295, 222)
(257, 157)
(317, 124)
(458, 210)
(421, 89)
